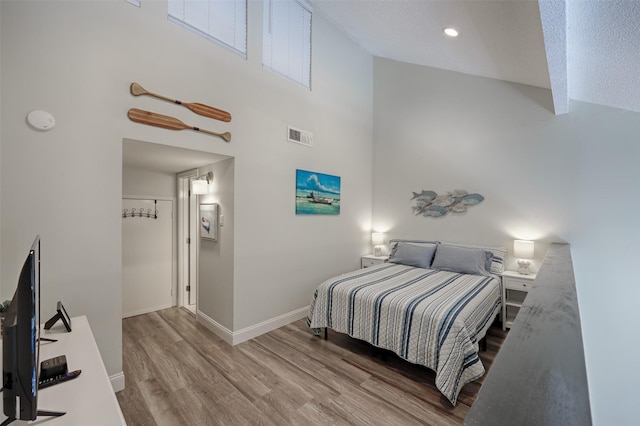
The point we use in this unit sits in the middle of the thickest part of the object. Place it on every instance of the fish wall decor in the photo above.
(430, 204)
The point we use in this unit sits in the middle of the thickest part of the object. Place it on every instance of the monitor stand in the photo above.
(39, 413)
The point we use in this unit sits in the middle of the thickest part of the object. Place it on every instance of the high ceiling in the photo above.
(587, 50)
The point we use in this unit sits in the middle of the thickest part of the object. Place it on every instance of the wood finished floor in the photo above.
(180, 373)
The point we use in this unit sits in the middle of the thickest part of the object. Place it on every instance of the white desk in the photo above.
(88, 399)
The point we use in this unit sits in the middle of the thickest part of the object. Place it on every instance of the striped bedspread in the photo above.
(428, 317)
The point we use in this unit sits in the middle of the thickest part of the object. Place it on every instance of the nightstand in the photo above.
(515, 288)
(370, 260)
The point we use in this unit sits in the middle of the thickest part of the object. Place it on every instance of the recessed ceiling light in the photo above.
(451, 32)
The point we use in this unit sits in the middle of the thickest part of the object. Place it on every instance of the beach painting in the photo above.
(317, 193)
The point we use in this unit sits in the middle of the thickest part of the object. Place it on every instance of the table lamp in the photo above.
(523, 250)
(377, 239)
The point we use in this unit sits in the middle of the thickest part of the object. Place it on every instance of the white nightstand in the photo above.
(515, 288)
(370, 260)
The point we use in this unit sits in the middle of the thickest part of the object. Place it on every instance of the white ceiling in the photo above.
(586, 50)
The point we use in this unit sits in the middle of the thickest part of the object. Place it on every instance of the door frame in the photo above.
(187, 252)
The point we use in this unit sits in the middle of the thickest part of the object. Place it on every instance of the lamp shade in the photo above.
(199, 186)
(377, 238)
(523, 249)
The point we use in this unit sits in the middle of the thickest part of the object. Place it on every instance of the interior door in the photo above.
(187, 242)
(147, 263)
(192, 289)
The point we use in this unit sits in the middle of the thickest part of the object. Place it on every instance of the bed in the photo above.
(430, 304)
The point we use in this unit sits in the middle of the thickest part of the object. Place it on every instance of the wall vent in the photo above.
(301, 137)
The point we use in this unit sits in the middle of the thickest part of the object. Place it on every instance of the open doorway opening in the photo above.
(152, 171)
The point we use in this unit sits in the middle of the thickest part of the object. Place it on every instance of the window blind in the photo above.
(223, 21)
(287, 39)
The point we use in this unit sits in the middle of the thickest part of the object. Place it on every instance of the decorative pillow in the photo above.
(495, 264)
(419, 255)
(497, 259)
(461, 259)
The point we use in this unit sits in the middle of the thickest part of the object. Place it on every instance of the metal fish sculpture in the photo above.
(424, 195)
(430, 204)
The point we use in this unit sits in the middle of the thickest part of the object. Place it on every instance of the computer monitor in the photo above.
(21, 344)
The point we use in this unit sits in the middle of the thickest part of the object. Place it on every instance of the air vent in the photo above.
(301, 137)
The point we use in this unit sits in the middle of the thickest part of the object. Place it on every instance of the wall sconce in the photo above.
(523, 250)
(200, 185)
(377, 240)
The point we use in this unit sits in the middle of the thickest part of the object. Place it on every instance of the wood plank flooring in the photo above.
(179, 373)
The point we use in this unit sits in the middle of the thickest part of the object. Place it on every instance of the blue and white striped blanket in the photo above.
(428, 317)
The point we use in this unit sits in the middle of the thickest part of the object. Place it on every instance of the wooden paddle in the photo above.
(167, 122)
(201, 109)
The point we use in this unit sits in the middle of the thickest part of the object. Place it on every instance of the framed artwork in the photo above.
(317, 193)
(209, 221)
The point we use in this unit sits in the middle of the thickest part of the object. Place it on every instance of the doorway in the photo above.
(187, 242)
(153, 171)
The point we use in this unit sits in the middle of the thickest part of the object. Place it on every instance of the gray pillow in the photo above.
(393, 244)
(461, 259)
(495, 264)
(413, 254)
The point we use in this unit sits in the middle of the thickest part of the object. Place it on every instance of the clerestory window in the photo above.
(287, 39)
(221, 21)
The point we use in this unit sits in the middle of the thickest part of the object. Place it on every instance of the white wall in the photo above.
(569, 178)
(77, 60)
(215, 260)
(280, 257)
(138, 182)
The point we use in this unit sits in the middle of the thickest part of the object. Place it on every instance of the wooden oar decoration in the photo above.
(201, 109)
(167, 122)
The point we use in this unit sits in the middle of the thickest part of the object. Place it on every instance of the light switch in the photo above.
(221, 220)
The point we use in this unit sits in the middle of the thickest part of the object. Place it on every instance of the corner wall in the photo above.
(215, 258)
(569, 178)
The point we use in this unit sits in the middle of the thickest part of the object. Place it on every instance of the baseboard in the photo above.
(117, 381)
(256, 330)
(248, 333)
(220, 330)
(145, 311)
